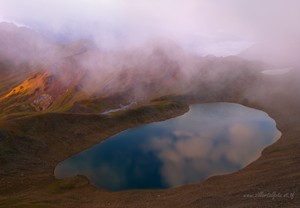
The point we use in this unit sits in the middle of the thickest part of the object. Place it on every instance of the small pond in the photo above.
(210, 139)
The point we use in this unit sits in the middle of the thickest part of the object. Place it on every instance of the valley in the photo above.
(46, 117)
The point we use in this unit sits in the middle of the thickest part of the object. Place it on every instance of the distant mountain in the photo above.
(39, 75)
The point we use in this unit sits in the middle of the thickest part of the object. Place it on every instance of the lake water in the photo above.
(210, 139)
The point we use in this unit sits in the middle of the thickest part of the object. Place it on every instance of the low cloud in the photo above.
(207, 27)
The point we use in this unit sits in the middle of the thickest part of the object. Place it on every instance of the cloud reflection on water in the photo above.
(219, 146)
(210, 139)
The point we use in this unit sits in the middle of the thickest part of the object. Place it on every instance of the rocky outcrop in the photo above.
(43, 102)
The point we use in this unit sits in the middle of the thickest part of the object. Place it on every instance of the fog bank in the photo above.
(207, 27)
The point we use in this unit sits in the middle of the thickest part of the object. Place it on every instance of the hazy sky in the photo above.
(220, 27)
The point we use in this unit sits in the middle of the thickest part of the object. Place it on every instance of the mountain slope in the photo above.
(39, 75)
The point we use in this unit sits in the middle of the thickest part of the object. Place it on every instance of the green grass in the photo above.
(92, 104)
(65, 185)
(151, 107)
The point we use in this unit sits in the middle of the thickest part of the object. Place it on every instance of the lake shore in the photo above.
(32, 147)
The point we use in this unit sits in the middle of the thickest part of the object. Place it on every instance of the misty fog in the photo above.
(132, 47)
(205, 27)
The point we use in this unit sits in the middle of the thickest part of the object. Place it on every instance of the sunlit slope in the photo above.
(39, 92)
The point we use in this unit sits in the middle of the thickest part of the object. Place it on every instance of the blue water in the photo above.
(210, 139)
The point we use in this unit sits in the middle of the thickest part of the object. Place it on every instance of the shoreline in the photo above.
(276, 170)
